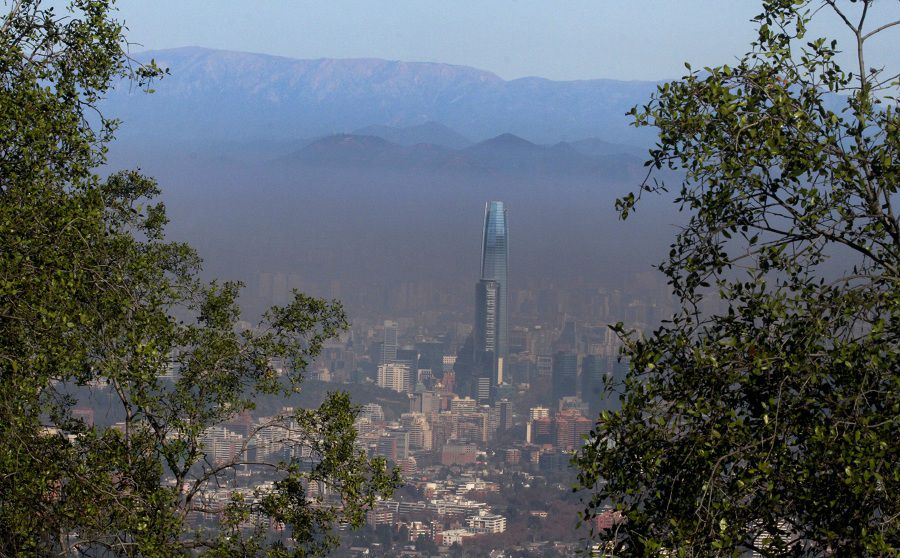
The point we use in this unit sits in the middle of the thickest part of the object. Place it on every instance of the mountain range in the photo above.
(214, 95)
(506, 154)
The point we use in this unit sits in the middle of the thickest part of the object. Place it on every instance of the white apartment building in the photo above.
(394, 376)
(486, 522)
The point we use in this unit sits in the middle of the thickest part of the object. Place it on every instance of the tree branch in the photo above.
(880, 29)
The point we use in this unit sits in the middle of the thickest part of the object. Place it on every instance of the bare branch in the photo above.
(880, 29)
(838, 11)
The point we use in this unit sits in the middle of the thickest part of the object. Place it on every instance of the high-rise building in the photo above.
(458, 454)
(540, 431)
(568, 337)
(536, 414)
(395, 376)
(390, 345)
(473, 427)
(486, 522)
(482, 389)
(513, 456)
(420, 435)
(565, 374)
(504, 414)
(492, 296)
(387, 447)
(462, 405)
(487, 319)
(409, 357)
(571, 428)
(372, 411)
(425, 402)
(494, 263)
(573, 403)
(393, 444)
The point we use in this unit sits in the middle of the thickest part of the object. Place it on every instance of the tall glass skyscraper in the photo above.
(389, 348)
(491, 296)
(487, 319)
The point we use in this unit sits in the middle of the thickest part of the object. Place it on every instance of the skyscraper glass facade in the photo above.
(389, 348)
(494, 261)
(487, 295)
(565, 375)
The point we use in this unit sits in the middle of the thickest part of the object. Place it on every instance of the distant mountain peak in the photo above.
(510, 138)
(506, 140)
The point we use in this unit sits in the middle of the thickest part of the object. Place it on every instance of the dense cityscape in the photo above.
(480, 412)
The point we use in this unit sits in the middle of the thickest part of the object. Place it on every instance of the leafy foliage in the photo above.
(92, 295)
(771, 425)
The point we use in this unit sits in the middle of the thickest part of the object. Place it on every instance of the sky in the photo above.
(555, 39)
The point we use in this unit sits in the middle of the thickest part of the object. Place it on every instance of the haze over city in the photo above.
(226, 118)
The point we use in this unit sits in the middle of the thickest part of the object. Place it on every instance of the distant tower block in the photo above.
(390, 345)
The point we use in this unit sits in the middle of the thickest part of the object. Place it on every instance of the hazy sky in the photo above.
(557, 39)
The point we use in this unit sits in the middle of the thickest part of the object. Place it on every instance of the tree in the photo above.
(385, 535)
(771, 425)
(426, 545)
(93, 299)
